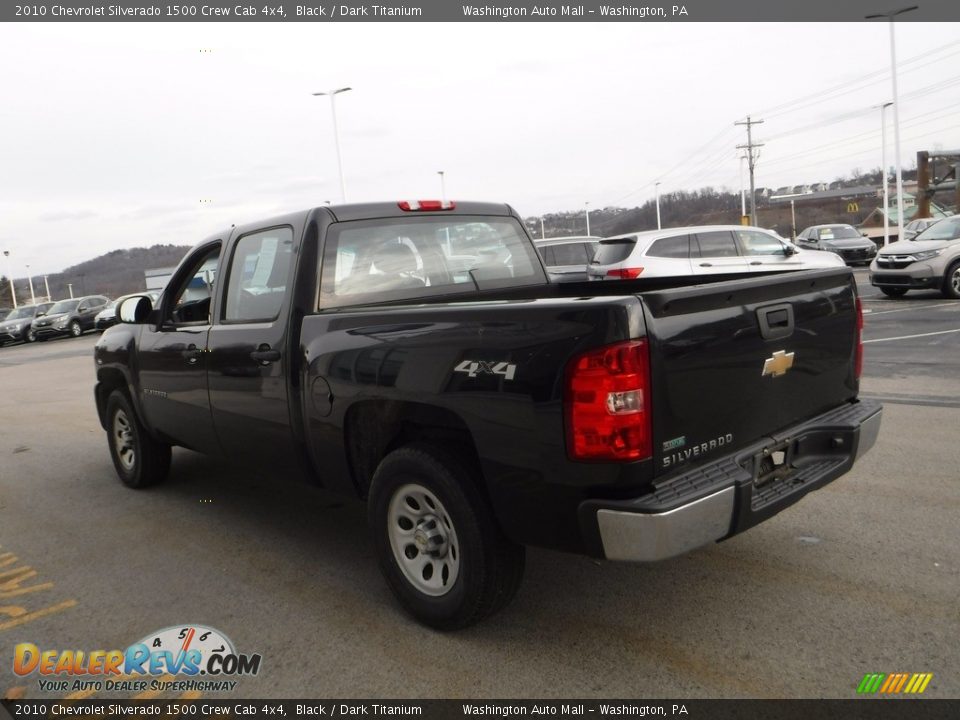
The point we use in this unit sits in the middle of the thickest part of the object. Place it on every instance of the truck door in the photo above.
(172, 357)
(247, 360)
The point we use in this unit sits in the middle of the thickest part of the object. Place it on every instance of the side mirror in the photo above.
(865, 233)
(789, 250)
(135, 310)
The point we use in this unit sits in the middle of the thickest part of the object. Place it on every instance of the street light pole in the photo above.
(47, 286)
(657, 188)
(896, 108)
(332, 94)
(33, 300)
(883, 171)
(543, 232)
(586, 208)
(13, 291)
(70, 290)
(443, 188)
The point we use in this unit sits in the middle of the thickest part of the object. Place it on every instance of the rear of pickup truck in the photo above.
(631, 420)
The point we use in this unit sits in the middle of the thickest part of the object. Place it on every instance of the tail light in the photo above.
(607, 403)
(858, 353)
(417, 205)
(625, 273)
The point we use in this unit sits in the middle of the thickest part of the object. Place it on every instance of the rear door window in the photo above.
(258, 275)
(717, 243)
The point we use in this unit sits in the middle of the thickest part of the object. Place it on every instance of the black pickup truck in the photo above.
(414, 355)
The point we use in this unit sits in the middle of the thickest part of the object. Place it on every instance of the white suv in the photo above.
(701, 250)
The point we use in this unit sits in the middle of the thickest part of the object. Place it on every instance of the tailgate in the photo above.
(734, 362)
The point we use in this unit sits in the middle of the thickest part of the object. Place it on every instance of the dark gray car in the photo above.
(69, 317)
(844, 240)
(15, 327)
(567, 258)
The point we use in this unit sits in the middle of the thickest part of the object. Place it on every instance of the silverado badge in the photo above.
(778, 364)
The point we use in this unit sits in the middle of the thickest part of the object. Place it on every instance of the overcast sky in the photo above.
(121, 134)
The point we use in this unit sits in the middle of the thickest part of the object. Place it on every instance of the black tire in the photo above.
(76, 330)
(951, 282)
(894, 292)
(484, 567)
(140, 460)
(30, 336)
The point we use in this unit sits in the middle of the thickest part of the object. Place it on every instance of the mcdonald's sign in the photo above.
(853, 207)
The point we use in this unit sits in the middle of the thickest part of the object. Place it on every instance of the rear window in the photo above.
(566, 254)
(614, 250)
(371, 261)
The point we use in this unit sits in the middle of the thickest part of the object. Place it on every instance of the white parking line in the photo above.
(910, 337)
(915, 307)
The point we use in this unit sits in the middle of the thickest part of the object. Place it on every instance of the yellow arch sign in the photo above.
(853, 207)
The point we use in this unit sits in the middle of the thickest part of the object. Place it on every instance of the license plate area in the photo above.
(773, 463)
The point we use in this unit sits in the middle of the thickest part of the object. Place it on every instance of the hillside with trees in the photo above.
(116, 273)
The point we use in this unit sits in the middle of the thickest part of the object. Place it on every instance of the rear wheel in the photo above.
(951, 282)
(139, 459)
(893, 292)
(30, 336)
(439, 546)
(75, 329)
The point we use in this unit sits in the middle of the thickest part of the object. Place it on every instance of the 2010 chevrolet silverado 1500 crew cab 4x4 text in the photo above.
(415, 355)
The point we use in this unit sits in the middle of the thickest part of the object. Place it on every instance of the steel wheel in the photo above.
(124, 443)
(75, 329)
(31, 335)
(423, 539)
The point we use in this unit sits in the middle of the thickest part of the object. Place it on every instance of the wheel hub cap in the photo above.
(423, 540)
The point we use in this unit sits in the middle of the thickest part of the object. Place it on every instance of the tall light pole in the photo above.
(443, 188)
(332, 94)
(47, 286)
(656, 187)
(883, 171)
(13, 292)
(543, 232)
(586, 209)
(33, 300)
(70, 290)
(743, 192)
(896, 108)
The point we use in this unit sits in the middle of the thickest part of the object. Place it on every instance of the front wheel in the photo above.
(75, 329)
(951, 282)
(440, 548)
(31, 335)
(893, 292)
(139, 459)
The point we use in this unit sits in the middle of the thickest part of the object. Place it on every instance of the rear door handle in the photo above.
(756, 262)
(264, 355)
(706, 264)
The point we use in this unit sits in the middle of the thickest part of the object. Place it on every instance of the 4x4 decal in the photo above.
(481, 367)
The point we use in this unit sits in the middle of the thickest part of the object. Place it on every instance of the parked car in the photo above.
(844, 240)
(931, 261)
(108, 316)
(477, 412)
(915, 227)
(567, 258)
(69, 317)
(702, 250)
(16, 326)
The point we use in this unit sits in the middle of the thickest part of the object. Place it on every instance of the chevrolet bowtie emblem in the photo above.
(778, 364)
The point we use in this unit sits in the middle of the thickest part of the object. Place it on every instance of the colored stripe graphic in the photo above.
(894, 683)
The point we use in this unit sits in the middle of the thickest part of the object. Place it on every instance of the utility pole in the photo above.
(657, 188)
(752, 160)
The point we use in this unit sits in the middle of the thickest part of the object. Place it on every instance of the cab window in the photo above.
(258, 275)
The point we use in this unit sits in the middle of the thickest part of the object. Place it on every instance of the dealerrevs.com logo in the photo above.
(187, 650)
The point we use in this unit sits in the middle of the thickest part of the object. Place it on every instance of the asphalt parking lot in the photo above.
(860, 577)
